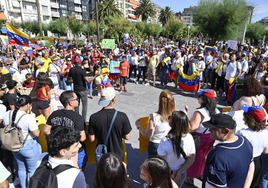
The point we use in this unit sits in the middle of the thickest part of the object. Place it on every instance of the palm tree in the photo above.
(165, 14)
(145, 10)
(107, 8)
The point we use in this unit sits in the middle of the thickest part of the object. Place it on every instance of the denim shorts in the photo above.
(123, 80)
(152, 148)
(42, 104)
(206, 73)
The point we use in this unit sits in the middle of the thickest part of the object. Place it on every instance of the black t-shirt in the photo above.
(103, 64)
(67, 118)
(11, 99)
(99, 124)
(78, 74)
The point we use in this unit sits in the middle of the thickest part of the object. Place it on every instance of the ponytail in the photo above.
(22, 101)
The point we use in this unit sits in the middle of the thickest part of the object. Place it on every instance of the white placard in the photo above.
(232, 44)
(126, 38)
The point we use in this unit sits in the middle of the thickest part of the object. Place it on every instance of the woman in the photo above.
(177, 62)
(27, 157)
(55, 69)
(252, 94)
(208, 101)
(88, 66)
(260, 71)
(178, 147)
(111, 172)
(134, 61)
(164, 72)
(65, 72)
(158, 126)
(156, 173)
(256, 133)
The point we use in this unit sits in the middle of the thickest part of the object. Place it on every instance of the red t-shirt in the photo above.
(124, 66)
(30, 85)
(42, 93)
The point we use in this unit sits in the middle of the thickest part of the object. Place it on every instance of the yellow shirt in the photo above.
(153, 60)
(47, 62)
(165, 61)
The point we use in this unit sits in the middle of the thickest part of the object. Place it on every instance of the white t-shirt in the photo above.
(208, 59)
(134, 60)
(165, 148)
(176, 62)
(215, 63)
(52, 68)
(231, 70)
(161, 129)
(116, 51)
(3, 109)
(259, 75)
(27, 122)
(244, 65)
(71, 178)
(142, 62)
(161, 55)
(258, 140)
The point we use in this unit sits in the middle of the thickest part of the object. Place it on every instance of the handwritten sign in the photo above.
(108, 43)
(232, 44)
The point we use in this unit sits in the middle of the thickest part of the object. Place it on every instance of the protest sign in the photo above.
(126, 38)
(108, 43)
(232, 44)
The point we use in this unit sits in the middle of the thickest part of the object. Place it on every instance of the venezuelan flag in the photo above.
(34, 99)
(29, 51)
(231, 91)
(189, 83)
(16, 37)
(4, 39)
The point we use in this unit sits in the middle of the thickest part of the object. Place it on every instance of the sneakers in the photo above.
(134, 80)
(120, 90)
(147, 84)
(143, 83)
(99, 94)
(125, 90)
(153, 84)
(137, 83)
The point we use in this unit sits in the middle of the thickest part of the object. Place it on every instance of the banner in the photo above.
(114, 67)
(126, 38)
(189, 83)
(108, 43)
(232, 44)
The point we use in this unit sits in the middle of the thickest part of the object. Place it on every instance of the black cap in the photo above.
(220, 121)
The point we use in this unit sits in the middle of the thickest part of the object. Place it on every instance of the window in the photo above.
(70, 6)
(54, 10)
(84, 8)
(84, 1)
(71, 12)
(63, 4)
(44, 8)
(63, 12)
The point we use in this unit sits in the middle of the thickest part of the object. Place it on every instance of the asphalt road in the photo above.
(138, 102)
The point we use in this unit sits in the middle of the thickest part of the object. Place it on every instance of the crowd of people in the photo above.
(222, 150)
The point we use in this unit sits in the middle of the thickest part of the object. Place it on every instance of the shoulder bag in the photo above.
(197, 139)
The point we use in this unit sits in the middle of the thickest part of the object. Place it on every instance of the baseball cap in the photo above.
(256, 112)
(6, 71)
(200, 55)
(210, 93)
(103, 55)
(220, 121)
(77, 60)
(107, 94)
(39, 62)
(3, 86)
(55, 58)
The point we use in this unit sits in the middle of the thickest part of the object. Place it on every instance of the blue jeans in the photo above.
(164, 76)
(26, 159)
(264, 183)
(226, 87)
(143, 70)
(68, 87)
(184, 175)
(61, 86)
(152, 148)
(89, 86)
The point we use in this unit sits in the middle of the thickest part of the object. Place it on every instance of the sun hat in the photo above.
(107, 94)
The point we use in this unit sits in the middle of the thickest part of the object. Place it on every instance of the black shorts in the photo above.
(42, 104)
(123, 80)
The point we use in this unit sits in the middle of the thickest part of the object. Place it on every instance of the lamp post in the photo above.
(189, 27)
(97, 21)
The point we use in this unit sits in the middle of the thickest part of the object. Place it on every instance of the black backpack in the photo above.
(45, 176)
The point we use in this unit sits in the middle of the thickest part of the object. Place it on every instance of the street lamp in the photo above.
(189, 27)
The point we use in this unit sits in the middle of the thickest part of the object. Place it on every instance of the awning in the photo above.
(4, 30)
(134, 2)
(3, 17)
(133, 17)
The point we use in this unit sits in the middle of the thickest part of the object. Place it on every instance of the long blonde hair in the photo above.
(166, 105)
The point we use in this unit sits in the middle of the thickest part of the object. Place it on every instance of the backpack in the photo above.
(46, 177)
(11, 136)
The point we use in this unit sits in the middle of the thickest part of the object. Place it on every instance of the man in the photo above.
(153, 64)
(63, 144)
(230, 163)
(80, 78)
(68, 118)
(206, 74)
(244, 66)
(99, 124)
(181, 43)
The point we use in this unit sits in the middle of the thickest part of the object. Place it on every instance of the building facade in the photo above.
(264, 21)
(187, 15)
(25, 10)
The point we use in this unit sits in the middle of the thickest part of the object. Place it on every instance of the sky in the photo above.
(260, 10)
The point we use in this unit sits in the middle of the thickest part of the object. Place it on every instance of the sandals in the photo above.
(189, 181)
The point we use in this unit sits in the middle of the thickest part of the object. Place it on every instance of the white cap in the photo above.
(107, 94)
(200, 55)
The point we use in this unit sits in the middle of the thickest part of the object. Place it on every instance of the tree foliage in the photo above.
(107, 9)
(221, 19)
(75, 25)
(31, 26)
(145, 9)
(255, 31)
(14, 23)
(90, 28)
(58, 26)
(152, 29)
(165, 15)
(174, 27)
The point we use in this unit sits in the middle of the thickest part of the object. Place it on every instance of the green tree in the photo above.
(58, 26)
(31, 26)
(174, 27)
(255, 32)
(90, 28)
(14, 23)
(107, 8)
(165, 15)
(152, 29)
(145, 9)
(75, 25)
(221, 19)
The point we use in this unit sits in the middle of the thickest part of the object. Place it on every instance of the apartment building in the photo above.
(24, 10)
(264, 21)
(187, 15)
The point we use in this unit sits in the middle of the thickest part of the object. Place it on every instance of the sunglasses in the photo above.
(8, 64)
(69, 60)
(75, 99)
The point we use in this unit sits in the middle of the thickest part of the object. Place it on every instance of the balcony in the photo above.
(32, 1)
(55, 14)
(15, 10)
(29, 11)
(46, 13)
(54, 5)
(77, 2)
(77, 9)
(79, 17)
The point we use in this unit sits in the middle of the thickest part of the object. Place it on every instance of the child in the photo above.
(98, 79)
(43, 94)
(53, 93)
(29, 82)
(124, 72)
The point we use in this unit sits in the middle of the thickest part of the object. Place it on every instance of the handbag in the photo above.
(101, 148)
(197, 139)
(11, 136)
(69, 81)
